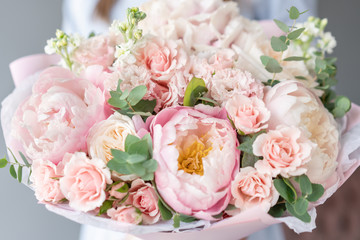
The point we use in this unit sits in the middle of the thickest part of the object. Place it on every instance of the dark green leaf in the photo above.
(248, 160)
(136, 95)
(294, 13)
(295, 34)
(186, 218)
(283, 26)
(92, 34)
(305, 185)
(124, 188)
(176, 220)
(209, 100)
(218, 216)
(13, 172)
(3, 162)
(166, 214)
(284, 190)
(230, 207)
(195, 89)
(300, 206)
(317, 191)
(105, 206)
(301, 77)
(278, 45)
(271, 64)
(247, 142)
(19, 173)
(305, 217)
(295, 58)
(145, 106)
(130, 139)
(24, 159)
(277, 210)
(271, 82)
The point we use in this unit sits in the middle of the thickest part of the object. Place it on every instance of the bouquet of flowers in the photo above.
(192, 121)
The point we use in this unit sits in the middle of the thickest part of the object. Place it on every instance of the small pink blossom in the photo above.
(248, 114)
(125, 214)
(115, 193)
(84, 181)
(285, 151)
(253, 189)
(45, 181)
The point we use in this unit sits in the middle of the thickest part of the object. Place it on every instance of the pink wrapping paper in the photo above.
(236, 227)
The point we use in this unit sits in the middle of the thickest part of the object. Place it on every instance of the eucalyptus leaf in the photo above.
(3, 162)
(12, 171)
(119, 155)
(139, 147)
(118, 167)
(338, 112)
(271, 64)
(136, 158)
(305, 217)
(284, 190)
(300, 206)
(320, 63)
(295, 34)
(187, 219)
(317, 192)
(166, 214)
(195, 89)
(277, 210)
(305, 185)
(150, 165)
(295, 58)
(125, 94)
(145, 106)
(19, 173)
(248, 160)
(136, 95)
(278, 45)
(148, 139)
(294, 13)
(130, 139)
(343, 103)
(283, 26)
(24, 159)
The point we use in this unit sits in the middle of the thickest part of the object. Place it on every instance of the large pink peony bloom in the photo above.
(58, 115)
(197, 157)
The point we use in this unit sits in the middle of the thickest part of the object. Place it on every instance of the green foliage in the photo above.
(19, 173)
(294, 13)
(317, 191)
(166, 214)
(295, 34)
(16, 168)
(285, 189)
(176, 220)
(187, 219)
(136, 159)
(283, 26)
(278, 45)
(123, 189)
(295, 58)
(271, 82)
(3, 162)
(249, 160)
(247, 142)
(291, 209)
(271, 64)
(13, 171)
(131, 102)
(105, 206)
(195, 90)
(277, 210)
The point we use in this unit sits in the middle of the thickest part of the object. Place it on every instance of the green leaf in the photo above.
(247, 142)
(92, 34)
(3, 162)
(209, 100)
(124, 94)
(130, 139)
(136, 95)
(284, 190)
(145, 106)
(271, 64)
(218, 216)
(283, 26)
(320, 63)
(118, 167)
(300, 206)
(195, 89)
(295, 34)
(343, 103)
(148, 139)
(139, 147)
(317, 192)
(116, 102)
(19, 173)
(123, 189)
(150, 165)
(230, 207)
(136, 169)
(271, 82)
(119, 155)
(136, 158)
(105, 206)
(166, 214)
(187, 219)
(305, 185)
(176, 220)
(25, 160)
(277, 210)
(294, 13)
(248, 160)
(305, 217)
(301, 77)
(338, 112)
(13, 172)
(278, 45)
(295, 58)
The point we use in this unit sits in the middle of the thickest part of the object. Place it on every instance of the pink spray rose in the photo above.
(248, 114)
(143, 197)
(84, 181)
(115, 193)
(285, 151)
(253, 189)
(45, 181)
(125, 214)
(197, 159)
(58, 115)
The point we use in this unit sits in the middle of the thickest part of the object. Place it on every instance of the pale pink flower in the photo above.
(58, 115)
(84, 181)
(98, 50)
(125, 214)
(195, 185)
(291, 102)
(253, 189)
(45, 181)
(115, 193)
(248, 114)
(285, 151)
(143, 196)
(229, 82)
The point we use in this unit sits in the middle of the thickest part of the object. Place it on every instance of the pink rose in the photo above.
(229, 82)
(143, 197)
(194, 184)
(253, 189)
(285, 151)
(125, 214)
(58, 115)
(98, 50)
(248, 114)
(45, 181)
(115, 193)
(84, 181)
(291, 102)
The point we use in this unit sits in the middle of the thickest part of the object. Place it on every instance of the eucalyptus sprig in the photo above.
(194, 93)
(16, 168)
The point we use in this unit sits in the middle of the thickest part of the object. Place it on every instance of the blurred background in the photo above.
(25, 27)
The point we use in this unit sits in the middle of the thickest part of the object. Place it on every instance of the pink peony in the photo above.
(285, 151)
(291, 102)
(248, 114)
(197, 159)
(253, 189)
(45, 181)
(125, 214)
(229, 82)
(58, 115)
(98, 50)
(84, 181)
(143, 197)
